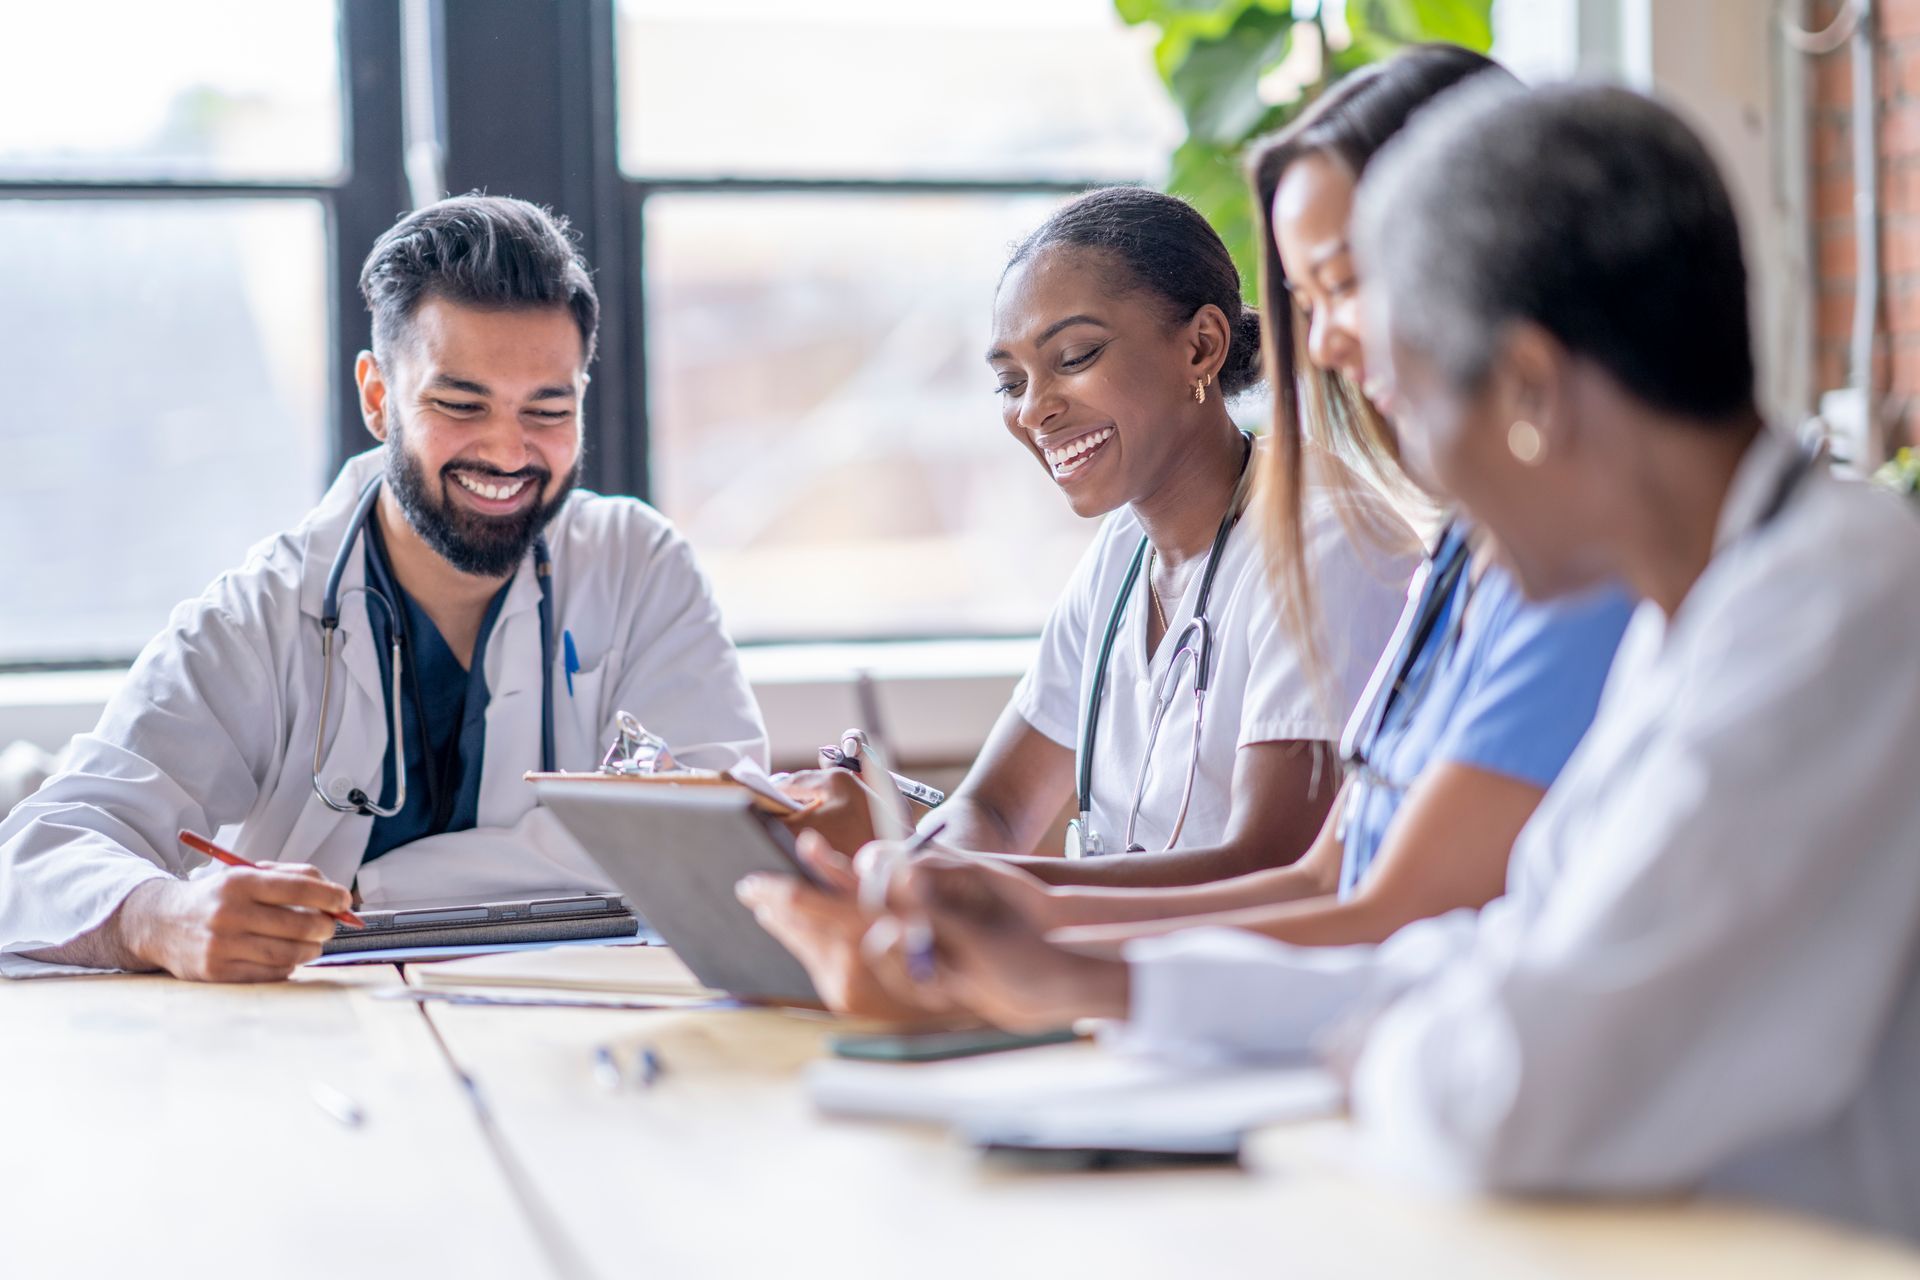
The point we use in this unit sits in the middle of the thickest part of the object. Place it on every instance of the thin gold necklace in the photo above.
(1153, 594)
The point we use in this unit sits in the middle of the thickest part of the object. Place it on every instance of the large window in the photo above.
(166, 406)
(189, 89)
(797, 215)
(828, 194)
(173, 178)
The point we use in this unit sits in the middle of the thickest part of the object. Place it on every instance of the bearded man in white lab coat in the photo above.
(484, 320)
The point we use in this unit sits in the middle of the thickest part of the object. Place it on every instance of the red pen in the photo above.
(200, 844)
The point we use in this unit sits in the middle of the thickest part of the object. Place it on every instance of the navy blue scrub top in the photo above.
(443, 795)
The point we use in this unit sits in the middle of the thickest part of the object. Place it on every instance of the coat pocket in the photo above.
(581, 726)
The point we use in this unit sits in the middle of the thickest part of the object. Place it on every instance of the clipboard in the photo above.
(634, 752)
(765, 800)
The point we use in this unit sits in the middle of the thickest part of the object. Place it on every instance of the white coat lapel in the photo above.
(513, 704)
(354, 754)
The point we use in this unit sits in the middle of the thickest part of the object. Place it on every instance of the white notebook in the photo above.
(647, 971)
(1089, 1092)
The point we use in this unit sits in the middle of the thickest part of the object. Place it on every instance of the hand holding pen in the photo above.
(993, 960)
(878, 865)
(256, 923)
(200, 844)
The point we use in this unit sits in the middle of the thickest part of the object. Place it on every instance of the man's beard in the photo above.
(484, 546)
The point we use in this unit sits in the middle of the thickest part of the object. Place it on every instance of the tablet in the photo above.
(550, 915)
(676, 853)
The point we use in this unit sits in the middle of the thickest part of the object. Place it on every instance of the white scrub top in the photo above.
(1262, 690)
(214, 728)
(1706, 970)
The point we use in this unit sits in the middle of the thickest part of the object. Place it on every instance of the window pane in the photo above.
(888, 89)
(824, 426)
(167, 406)
(214, 89)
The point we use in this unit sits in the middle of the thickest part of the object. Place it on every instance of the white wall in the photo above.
(1723, 65)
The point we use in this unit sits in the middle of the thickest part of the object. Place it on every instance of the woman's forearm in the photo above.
(971, 824)
(1174, 869)
(1084, 905)
(1311, 922)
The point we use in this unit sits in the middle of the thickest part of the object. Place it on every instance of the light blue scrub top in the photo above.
(1516, 687)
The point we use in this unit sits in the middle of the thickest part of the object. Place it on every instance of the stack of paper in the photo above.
(1076, 1095)
(648, 971)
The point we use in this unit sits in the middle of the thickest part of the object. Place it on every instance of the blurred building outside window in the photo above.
(839, 185)
(165, 351)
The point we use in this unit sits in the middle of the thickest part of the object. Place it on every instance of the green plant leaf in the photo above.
(1385, 25)
(1182, 27)
(1208, 177)
(1217, 83)
(1212, 53)
(1468, 23)
(1135, 12)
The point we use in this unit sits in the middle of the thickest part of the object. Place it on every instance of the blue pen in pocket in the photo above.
(572, 656)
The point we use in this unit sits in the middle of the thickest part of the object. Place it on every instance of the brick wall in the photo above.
(1897, 372)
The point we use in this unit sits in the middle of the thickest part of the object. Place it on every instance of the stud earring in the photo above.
(1525, 443)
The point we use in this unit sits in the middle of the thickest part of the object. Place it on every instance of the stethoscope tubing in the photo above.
(1203, 673)
(357, 802)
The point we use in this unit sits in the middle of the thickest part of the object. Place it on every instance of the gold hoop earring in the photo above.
(1526, 444)
(1200, 389)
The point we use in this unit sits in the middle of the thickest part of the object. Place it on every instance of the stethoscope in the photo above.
(1193, 646)
(1440, 577)
(358, 801)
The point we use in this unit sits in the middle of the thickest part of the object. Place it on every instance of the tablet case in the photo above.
(676, 853)
(608, 925)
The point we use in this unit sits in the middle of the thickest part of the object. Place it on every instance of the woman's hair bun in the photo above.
(1241, 372)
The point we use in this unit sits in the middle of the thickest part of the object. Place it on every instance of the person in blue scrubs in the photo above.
(1502, 685)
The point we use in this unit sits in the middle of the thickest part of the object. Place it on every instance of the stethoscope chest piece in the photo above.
(1082, 840)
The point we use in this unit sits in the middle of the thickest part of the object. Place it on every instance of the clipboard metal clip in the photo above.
(635, 750)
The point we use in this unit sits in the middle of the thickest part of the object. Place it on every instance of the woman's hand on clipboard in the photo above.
(840, 806)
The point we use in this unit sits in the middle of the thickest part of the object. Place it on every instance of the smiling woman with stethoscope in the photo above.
(1170, 704)
(1167, 701)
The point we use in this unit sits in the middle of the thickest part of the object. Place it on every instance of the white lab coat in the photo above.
(1706, 970)
(214, 727)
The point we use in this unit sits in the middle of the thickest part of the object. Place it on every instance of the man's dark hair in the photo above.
(1163, 247)
(1592, 212)
(478, 251)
